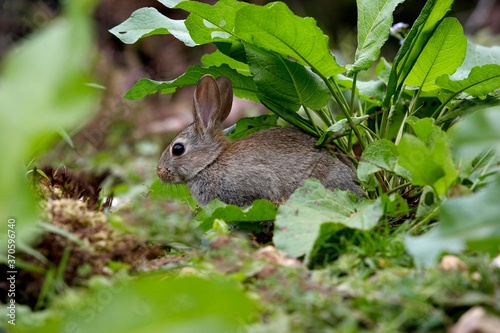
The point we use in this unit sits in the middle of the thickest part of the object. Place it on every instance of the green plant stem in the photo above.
(485, 168)
(316, 129)
(384, 126)
(381, 181)
(453, 114)
(361, 111)
(440, 110)
(413, 104)
(324, 117)
(326, 110)
(61, 269)
(401, 128)
(425, 220)
(411, 111)
(341, 144)
(353, 93)
(394, 189)
(340, 99)
(369, 131)
(349, 141)
(385, 120)
(437, 114)
(46, 288)
(292, 118)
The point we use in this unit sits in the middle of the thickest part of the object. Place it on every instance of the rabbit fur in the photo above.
(268, 164)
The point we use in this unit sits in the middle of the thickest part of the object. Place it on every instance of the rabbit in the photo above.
(268, 164)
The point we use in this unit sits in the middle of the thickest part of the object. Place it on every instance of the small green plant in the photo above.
(400, 119)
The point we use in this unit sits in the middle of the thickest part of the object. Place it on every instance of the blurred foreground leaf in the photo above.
(151, 304)
(437, 141)
(478, 132)
(469, 221)
(465, 222)
(43, 88)
(427, 156)
(417, 158)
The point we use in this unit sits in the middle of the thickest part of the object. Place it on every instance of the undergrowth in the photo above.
(425, 127)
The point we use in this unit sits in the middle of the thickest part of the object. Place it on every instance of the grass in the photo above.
(361, 281)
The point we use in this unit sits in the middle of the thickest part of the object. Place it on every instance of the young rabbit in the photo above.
(268, 164)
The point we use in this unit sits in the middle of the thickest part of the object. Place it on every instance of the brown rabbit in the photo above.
(268, 164)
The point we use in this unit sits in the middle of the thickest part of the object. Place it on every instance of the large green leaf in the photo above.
(427, 156)
(160, 191)
(158, 303)
(233, 49)
(229, 22)
(171, 3)
(246, 126)
(205, 24)
(211, 23)
(285, 82)
(44, 88)
(300, 220)
(383, 70)
(293, 118)
(465, 222)
(476, 55)
(418, 159)
(437, 141)
(260, 210)
(274, 27)
(421, 31)
(469, 221)
(374, 23)
(480, 81)
(443, 54)
(148, 21)
(243, 86)
(379, 155)
(478, 132)
(371, 91)
(217, 59)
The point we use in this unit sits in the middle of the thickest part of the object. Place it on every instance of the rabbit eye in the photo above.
(178, 149)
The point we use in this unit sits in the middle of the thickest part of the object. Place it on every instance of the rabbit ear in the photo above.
(226, 96)
(206, 102)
